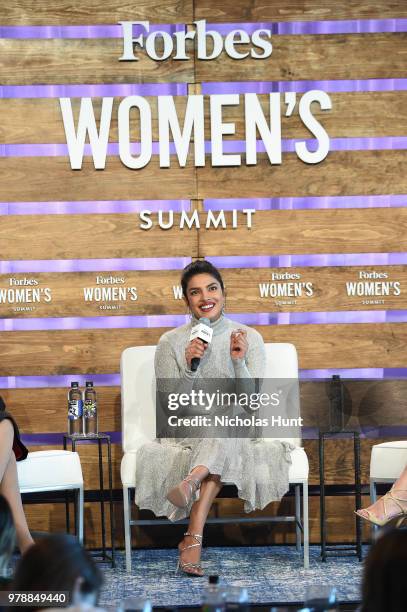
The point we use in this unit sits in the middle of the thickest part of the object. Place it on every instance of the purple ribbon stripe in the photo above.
(178, 263)
(288, 261)
(92, 207)
(101, 31)
(308, 433)
(151, 321)
(180, 89)
(129, 206)
(234, 146)
(332, 86)
(113, 380)
(92, 265)
(56, 439)
(112, 322)
(350, 26)
(308, 203)
(97, 90)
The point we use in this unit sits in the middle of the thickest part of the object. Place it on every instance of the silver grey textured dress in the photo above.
(258, 468)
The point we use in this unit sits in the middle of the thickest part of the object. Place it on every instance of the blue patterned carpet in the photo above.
(271, 574)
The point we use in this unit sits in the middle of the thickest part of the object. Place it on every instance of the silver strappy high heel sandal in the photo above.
(190, 566)
(178, 497)
(398, 518)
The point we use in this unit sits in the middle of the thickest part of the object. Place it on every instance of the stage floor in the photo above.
(272, 574)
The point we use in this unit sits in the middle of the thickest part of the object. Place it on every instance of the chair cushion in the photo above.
(299, 467)
(298, 471)
(50, 470)
(388, 460)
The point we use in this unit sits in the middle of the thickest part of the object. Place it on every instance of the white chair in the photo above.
(53, 470)
(387, 461)
(138, 427)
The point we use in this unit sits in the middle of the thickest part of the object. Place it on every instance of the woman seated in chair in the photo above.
(177, 477)
(12, 450)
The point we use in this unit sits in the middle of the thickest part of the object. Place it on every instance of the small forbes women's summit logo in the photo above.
(160, 45)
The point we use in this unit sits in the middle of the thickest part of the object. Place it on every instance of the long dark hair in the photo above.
(54, 564)
(200, 266)
(7, 534)
(384, 581)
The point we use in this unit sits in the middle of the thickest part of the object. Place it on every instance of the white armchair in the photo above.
(53, 470)
(138, 427)
(387, 461)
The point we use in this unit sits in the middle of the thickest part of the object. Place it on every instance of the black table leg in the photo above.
(358, 495)
(112, 519)
(102, 500)
(75, 509)
(67, 501)
(335, 551)
(100, 439)
(322, 494)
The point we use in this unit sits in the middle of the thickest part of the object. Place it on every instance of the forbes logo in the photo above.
(175, 45)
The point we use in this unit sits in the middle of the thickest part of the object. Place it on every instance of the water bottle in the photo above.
(75, 410)
(90, 411)
(214, 596)
(237, 599)
(320, 598)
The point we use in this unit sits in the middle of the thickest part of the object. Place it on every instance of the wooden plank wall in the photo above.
(26, 238)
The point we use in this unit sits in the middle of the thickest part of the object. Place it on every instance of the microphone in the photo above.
(204, 332)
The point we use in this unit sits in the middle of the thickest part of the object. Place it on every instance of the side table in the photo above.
(334, 551)
(99, 438)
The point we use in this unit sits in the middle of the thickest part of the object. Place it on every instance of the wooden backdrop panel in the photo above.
(374, 404)
(370, 403)
(90, 236)
(89, 12)
(308, 57)
(32, 179)
(84, 60)
(362, 345)
(315, 57)
(353, 114)
(301, 10)
(70, 351)
(353, 230)
(92, 12)
(16, 119)
(151, 292)
(42, 353)
(341, 173)
(50, 414)
(328, 286)
(152, 289)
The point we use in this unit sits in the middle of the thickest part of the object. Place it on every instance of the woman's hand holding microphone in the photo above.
(238, 347)
(195, 349)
